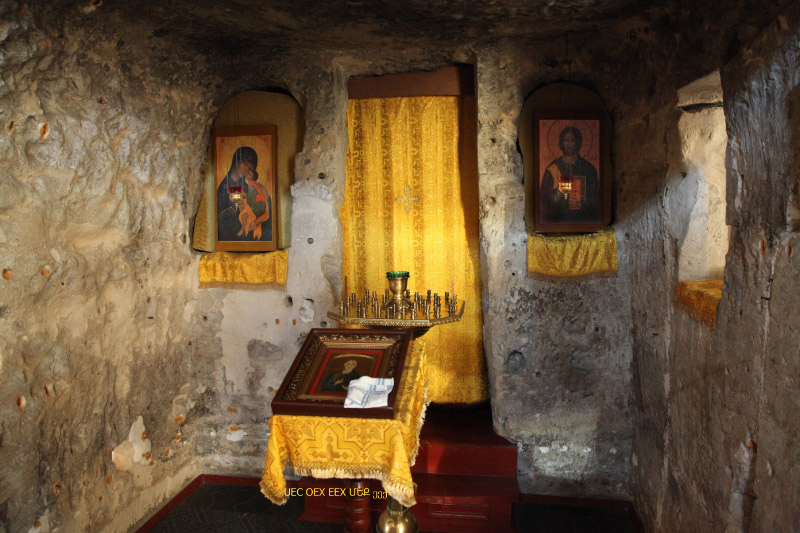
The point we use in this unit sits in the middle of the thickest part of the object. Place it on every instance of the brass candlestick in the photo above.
(398, 284)
(396, 518)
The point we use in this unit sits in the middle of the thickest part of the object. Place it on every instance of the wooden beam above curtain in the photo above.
(456, 80)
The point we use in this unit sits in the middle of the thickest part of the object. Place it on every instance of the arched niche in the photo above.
(567, 97)
(254, 108)
(704, 138)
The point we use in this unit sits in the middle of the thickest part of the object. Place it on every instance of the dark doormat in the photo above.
(218, 507)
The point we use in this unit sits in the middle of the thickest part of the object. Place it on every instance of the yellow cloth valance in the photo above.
(700, 299)
(244, 271)
(572, 257)
(340, 447)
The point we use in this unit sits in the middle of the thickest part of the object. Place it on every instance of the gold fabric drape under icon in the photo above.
(572, 257)
(256, 271)
(411, 203)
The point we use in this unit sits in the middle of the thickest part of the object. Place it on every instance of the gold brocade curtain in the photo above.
(411, 203)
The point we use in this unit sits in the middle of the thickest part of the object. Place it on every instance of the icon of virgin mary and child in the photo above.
(252, 218)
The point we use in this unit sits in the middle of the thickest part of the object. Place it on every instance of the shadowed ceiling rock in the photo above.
(253, 32)
(237, 25)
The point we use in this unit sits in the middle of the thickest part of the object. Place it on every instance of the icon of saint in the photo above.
(570, 190)
(340, 380)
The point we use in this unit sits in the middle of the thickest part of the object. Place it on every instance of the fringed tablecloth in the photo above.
(700, 299)
(574, 257)
(326, 447)
(256, 271)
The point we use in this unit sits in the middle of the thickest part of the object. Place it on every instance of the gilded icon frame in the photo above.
(310, 386)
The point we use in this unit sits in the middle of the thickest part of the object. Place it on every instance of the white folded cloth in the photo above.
(367, 392)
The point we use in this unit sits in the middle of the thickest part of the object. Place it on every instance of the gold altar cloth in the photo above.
(411, 203)
(700, 299)
(244, 271)
(326, 447)
(573, 257)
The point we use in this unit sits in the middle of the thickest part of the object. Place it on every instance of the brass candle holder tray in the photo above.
(396, 308)
(395, 322)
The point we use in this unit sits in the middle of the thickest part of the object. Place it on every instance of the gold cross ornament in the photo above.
(407, 199)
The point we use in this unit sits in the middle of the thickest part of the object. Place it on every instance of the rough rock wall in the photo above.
(101, 160)
(715, 435)
(578, 371)
(590, 343)
(558, 354)
(100, 322)
(102, 149)
(656, 202)
(103, 211)
(260, 332)
(106, 211)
